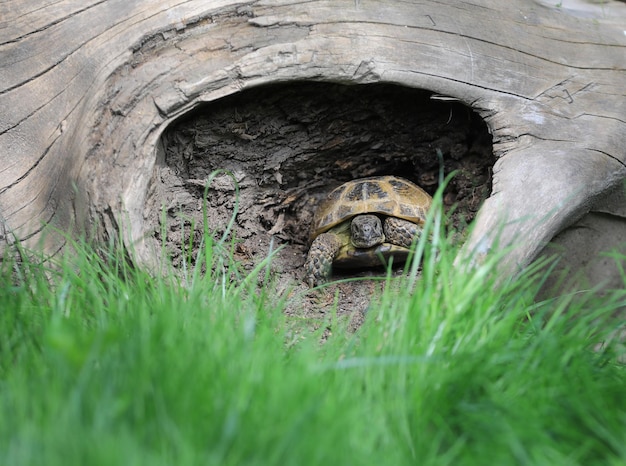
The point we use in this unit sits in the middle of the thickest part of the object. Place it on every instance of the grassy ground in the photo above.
(104, 364)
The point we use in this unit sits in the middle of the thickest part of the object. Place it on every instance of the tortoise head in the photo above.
(366, 231)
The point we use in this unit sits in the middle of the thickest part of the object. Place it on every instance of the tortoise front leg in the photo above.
(319, 262)
(401, 232)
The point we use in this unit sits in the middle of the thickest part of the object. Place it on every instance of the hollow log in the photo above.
(87, 88)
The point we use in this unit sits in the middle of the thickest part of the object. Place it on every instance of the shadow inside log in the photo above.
(287, 145)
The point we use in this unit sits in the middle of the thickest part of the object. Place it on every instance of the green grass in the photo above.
(101, 363)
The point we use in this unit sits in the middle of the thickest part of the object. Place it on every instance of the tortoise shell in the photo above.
(386, 195)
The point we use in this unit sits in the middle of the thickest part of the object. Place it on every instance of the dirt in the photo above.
(288, 145)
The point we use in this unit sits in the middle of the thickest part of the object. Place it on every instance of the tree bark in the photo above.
(87, 87)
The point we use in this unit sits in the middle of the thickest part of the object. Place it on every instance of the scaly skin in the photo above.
(319, 262)
(325, 247)
(366, 231)
(401, 232)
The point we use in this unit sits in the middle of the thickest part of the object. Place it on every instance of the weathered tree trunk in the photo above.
(88, 87)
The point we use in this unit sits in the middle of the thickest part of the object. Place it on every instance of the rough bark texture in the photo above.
(88, 87)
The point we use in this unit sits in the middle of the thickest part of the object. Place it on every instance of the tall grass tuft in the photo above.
(102, 363)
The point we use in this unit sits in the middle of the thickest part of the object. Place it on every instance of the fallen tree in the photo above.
(89, 87)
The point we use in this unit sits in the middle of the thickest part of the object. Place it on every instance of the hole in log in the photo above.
(289, 144)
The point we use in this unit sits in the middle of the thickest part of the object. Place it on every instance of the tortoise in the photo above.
(364, 222)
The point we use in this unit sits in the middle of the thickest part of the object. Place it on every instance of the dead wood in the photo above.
(88, 88)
